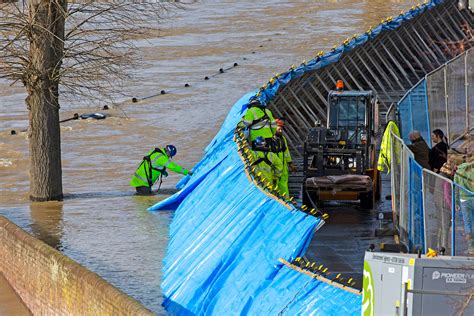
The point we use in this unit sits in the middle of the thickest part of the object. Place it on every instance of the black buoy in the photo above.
(163, 92)
(76, 116)
(253, 52)
(134, 100)
(206, 78)
(186, 85)
(235, 64)
(221, 70)
(105, 107)
(245, 58)
(13, 132)
(261, 46)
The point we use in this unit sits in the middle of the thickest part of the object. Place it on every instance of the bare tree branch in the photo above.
(99, 51)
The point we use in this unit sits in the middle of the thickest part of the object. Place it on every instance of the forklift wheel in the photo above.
(367, 200)
(378, 187)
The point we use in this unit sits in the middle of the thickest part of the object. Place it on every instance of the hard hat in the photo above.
(260, 141)
(171, 149)
(254, 102)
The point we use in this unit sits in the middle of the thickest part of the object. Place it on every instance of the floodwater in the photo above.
(101, 224)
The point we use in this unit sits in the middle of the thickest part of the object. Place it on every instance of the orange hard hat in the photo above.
(280, 122)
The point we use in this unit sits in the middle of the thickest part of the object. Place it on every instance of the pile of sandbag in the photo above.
(342, 182)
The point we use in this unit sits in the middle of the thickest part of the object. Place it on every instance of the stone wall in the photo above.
(50, 283)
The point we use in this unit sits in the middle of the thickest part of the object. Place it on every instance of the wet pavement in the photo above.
(341, 243)
(101, 224)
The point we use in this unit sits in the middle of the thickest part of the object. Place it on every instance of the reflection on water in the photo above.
(101, 223)
(47, 222)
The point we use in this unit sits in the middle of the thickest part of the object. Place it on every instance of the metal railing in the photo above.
(431, 211)
(442, 99)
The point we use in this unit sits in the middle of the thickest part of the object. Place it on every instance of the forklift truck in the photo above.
(345, 146)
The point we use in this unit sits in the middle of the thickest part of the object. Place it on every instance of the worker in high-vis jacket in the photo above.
(280, 147)
(266, 162)
(259, 121)
(384, 161)
(153, 167)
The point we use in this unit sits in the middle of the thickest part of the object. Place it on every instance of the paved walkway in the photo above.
(10, 303)
(341, 243)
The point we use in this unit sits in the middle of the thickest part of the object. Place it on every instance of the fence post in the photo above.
(427, 111)
(466, 84)
(453, 219)
(446, 101)
(423, 208)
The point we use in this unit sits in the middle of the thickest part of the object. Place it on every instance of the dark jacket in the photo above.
(421, 151)
(438, 155)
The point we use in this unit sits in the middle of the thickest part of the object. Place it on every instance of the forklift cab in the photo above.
(351, 115)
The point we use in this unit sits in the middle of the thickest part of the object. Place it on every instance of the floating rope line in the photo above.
(187, 85)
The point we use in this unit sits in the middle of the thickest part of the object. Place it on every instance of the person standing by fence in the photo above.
(420, 149)
(439, 153)
(465, 200)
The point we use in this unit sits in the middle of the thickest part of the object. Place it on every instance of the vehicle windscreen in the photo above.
(347, 113)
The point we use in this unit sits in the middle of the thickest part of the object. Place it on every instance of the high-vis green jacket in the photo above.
(155, 165)
(260, 122)
(284, 154)
(269, 165)
(386, 147)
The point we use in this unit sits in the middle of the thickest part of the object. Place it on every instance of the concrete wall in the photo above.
(50, 283)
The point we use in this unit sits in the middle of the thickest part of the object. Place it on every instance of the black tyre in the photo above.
(367, 200)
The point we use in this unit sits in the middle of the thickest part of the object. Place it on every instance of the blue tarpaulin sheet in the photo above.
(301, 294)
(228, 234)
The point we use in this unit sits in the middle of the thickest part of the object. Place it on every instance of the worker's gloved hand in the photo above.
(164, 173)
(190, 173)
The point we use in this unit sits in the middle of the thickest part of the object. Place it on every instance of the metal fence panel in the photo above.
(396, 176)
(415, 204)
(470, 86)
(420, 114)
(406, 117)
(463, 222)
(456, 91)
(413, 110)
(437, 202)
(437, 100)
(404, 198)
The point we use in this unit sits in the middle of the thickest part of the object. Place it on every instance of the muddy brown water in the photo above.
(101, 224)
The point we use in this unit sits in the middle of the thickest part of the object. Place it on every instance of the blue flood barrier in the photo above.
(302, 294)
(228, 234)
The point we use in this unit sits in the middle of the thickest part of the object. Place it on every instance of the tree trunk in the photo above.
(42, 82)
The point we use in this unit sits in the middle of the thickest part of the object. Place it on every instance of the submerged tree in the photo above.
(55, 48)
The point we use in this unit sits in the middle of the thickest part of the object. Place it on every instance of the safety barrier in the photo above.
(442, 99)
(425, 203)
